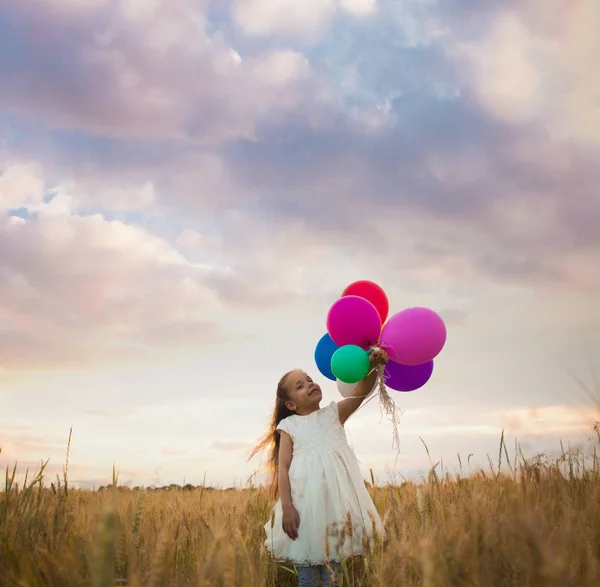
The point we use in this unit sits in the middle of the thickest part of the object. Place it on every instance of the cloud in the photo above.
(196, 242)
(480, 419)
(359, 7)
(549, 420)
(439, 167)
(420, 148)
(521, 422)
(263, 17)
(449, 177)
(21, 184)
(532, 64)
(115, 194)
(130, 70)
(506, 79)
(303, 20)
(279, 68)
(22, 441)
(76, 287)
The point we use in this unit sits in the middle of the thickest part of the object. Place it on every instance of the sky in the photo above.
(187, 186)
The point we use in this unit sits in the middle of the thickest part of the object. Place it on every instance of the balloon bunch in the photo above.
(356, 323)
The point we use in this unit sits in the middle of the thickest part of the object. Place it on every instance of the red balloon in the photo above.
(373, 293)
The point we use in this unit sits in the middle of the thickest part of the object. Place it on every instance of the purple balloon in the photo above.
(414, 336)
(405, 378)
(355, 321)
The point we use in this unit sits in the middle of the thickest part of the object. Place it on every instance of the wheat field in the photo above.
(522, 522)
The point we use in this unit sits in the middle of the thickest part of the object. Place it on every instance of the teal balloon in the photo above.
(350, 363)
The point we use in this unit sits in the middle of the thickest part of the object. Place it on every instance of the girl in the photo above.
(324, 512)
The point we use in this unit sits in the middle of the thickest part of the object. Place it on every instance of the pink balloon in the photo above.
(414, 336)
(354, 320)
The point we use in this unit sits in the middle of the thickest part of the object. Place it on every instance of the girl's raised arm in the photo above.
(350, 404)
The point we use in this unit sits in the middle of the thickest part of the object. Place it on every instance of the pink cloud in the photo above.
(75, 287)
(80, 289)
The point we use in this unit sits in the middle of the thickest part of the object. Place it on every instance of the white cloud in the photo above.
(508, 79)
(289, 17)
(197, 243)
(359, 7)
(107, 193)
(142, 9)
(279, 68)
(21, 184)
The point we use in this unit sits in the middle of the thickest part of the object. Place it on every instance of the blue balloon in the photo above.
(323, 353)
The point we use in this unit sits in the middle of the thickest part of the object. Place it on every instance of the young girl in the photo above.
(324, 512)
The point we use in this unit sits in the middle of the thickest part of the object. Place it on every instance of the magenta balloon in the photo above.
(414, 336)
(354, 320)
(407, 378)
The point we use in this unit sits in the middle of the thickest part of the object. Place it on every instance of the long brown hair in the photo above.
(272, 438)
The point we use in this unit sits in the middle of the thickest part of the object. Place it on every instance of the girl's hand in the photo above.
(291, 521)
(379, 357)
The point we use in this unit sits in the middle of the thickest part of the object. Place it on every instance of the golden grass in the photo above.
(535, 524)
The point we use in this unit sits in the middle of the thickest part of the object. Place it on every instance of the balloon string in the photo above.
(389, 407)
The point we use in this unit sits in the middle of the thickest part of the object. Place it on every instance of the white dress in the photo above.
(328, 492)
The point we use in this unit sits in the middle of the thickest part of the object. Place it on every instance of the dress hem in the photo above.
(315, 562)
(308, 563)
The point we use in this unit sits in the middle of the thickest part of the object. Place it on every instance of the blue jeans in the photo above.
(316, 575)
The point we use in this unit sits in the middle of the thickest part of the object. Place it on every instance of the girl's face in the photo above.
(304, 394)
